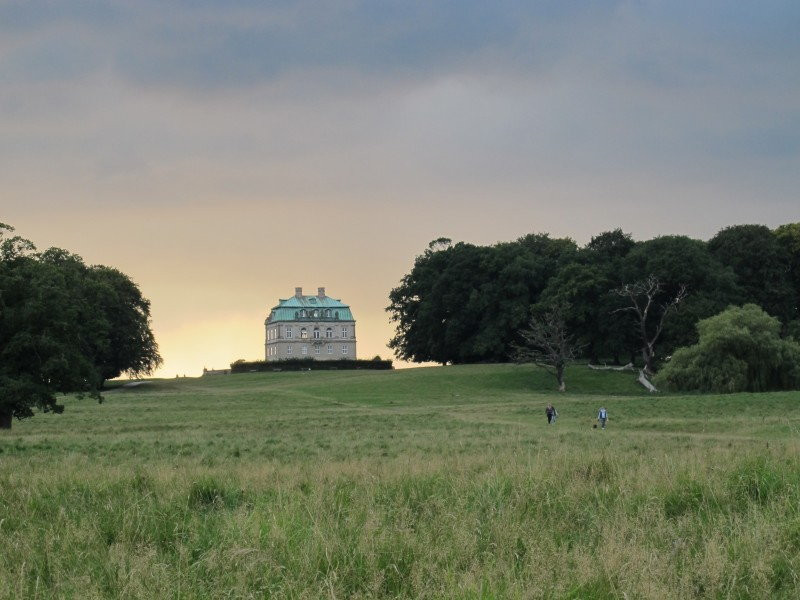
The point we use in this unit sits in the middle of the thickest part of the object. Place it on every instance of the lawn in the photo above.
(420, 483)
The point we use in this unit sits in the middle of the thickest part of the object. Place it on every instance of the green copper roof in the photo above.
(289, 309)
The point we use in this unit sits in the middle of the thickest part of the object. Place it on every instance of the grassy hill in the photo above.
(435, 482)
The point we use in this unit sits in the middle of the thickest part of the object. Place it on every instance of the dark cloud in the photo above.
(405, 94)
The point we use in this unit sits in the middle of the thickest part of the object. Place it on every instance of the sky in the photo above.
(223, 153)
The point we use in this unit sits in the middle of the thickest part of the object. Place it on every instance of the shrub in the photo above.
(739, 350)
(308, 364)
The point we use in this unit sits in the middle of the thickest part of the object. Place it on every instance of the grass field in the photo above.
(421, 483)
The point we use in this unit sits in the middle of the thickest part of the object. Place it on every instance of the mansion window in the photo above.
(303, 313)
(289, 350)
(344, 349)
(330, 348)
(303, 333)
(344, 332)
(289, 333)
(316, 333)
(316, 349)
(328, 314)
(304, 350)
(329, 332)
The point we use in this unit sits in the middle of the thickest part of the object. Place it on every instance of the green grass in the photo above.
(423, 483)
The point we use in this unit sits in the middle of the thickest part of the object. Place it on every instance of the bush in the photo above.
(740, 350)
(307, 364)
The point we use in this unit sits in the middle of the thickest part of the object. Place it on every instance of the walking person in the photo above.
(602, 416)
(552, 414)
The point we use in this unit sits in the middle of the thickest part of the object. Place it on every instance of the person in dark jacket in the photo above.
(551, 413)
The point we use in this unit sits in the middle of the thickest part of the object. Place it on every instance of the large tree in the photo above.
(124, 342)
(679, 261)
(583, 289)
(788, 237)
(583, 292)
(53, 329)
(761, 265)
(464, 303)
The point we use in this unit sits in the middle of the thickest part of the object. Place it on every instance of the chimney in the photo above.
(298, 292)
(321, 293)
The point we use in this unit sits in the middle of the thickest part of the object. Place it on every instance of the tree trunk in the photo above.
(562, 386)
(5, 420)
(647, 356)
(646, 383)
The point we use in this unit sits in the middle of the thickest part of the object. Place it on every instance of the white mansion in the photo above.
(316, 327)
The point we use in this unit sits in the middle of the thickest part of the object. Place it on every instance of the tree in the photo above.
(738, 350)
(679, 261)
(464, 303)
(124, 342)
(643, 301)
(761, 266)
(610, 245)
(41, 338)
(788, 237)
(547, 343)
(52, 329)
(427, 305)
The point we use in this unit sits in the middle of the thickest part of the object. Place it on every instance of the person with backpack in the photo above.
(602, 416)
(552, 414)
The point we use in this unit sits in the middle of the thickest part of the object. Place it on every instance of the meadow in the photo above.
(421, 483)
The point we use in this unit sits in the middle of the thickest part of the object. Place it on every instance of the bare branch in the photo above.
(547, 344)
(642, 296)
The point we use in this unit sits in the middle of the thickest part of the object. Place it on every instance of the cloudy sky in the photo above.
(222, 153)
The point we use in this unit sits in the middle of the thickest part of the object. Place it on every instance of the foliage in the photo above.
(308, 364)
(610, 246)
(463, 303)
(124, 342)
(584, 290)
(43, 348)
(739, 349)
(761, 265)
(678, 261)
(788, 237)
(57, 330)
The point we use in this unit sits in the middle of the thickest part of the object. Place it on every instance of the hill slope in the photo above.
(421, 483)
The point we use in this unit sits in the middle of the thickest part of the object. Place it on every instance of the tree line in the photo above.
(65, 327)
(465, 303)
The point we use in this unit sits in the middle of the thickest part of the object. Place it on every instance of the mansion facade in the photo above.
(316, 327)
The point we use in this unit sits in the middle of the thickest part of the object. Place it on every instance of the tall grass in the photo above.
(408, 487)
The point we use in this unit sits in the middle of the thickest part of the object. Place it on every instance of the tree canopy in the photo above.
(64, 327)
(467, 303)
(761, 265)
(464, 303)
